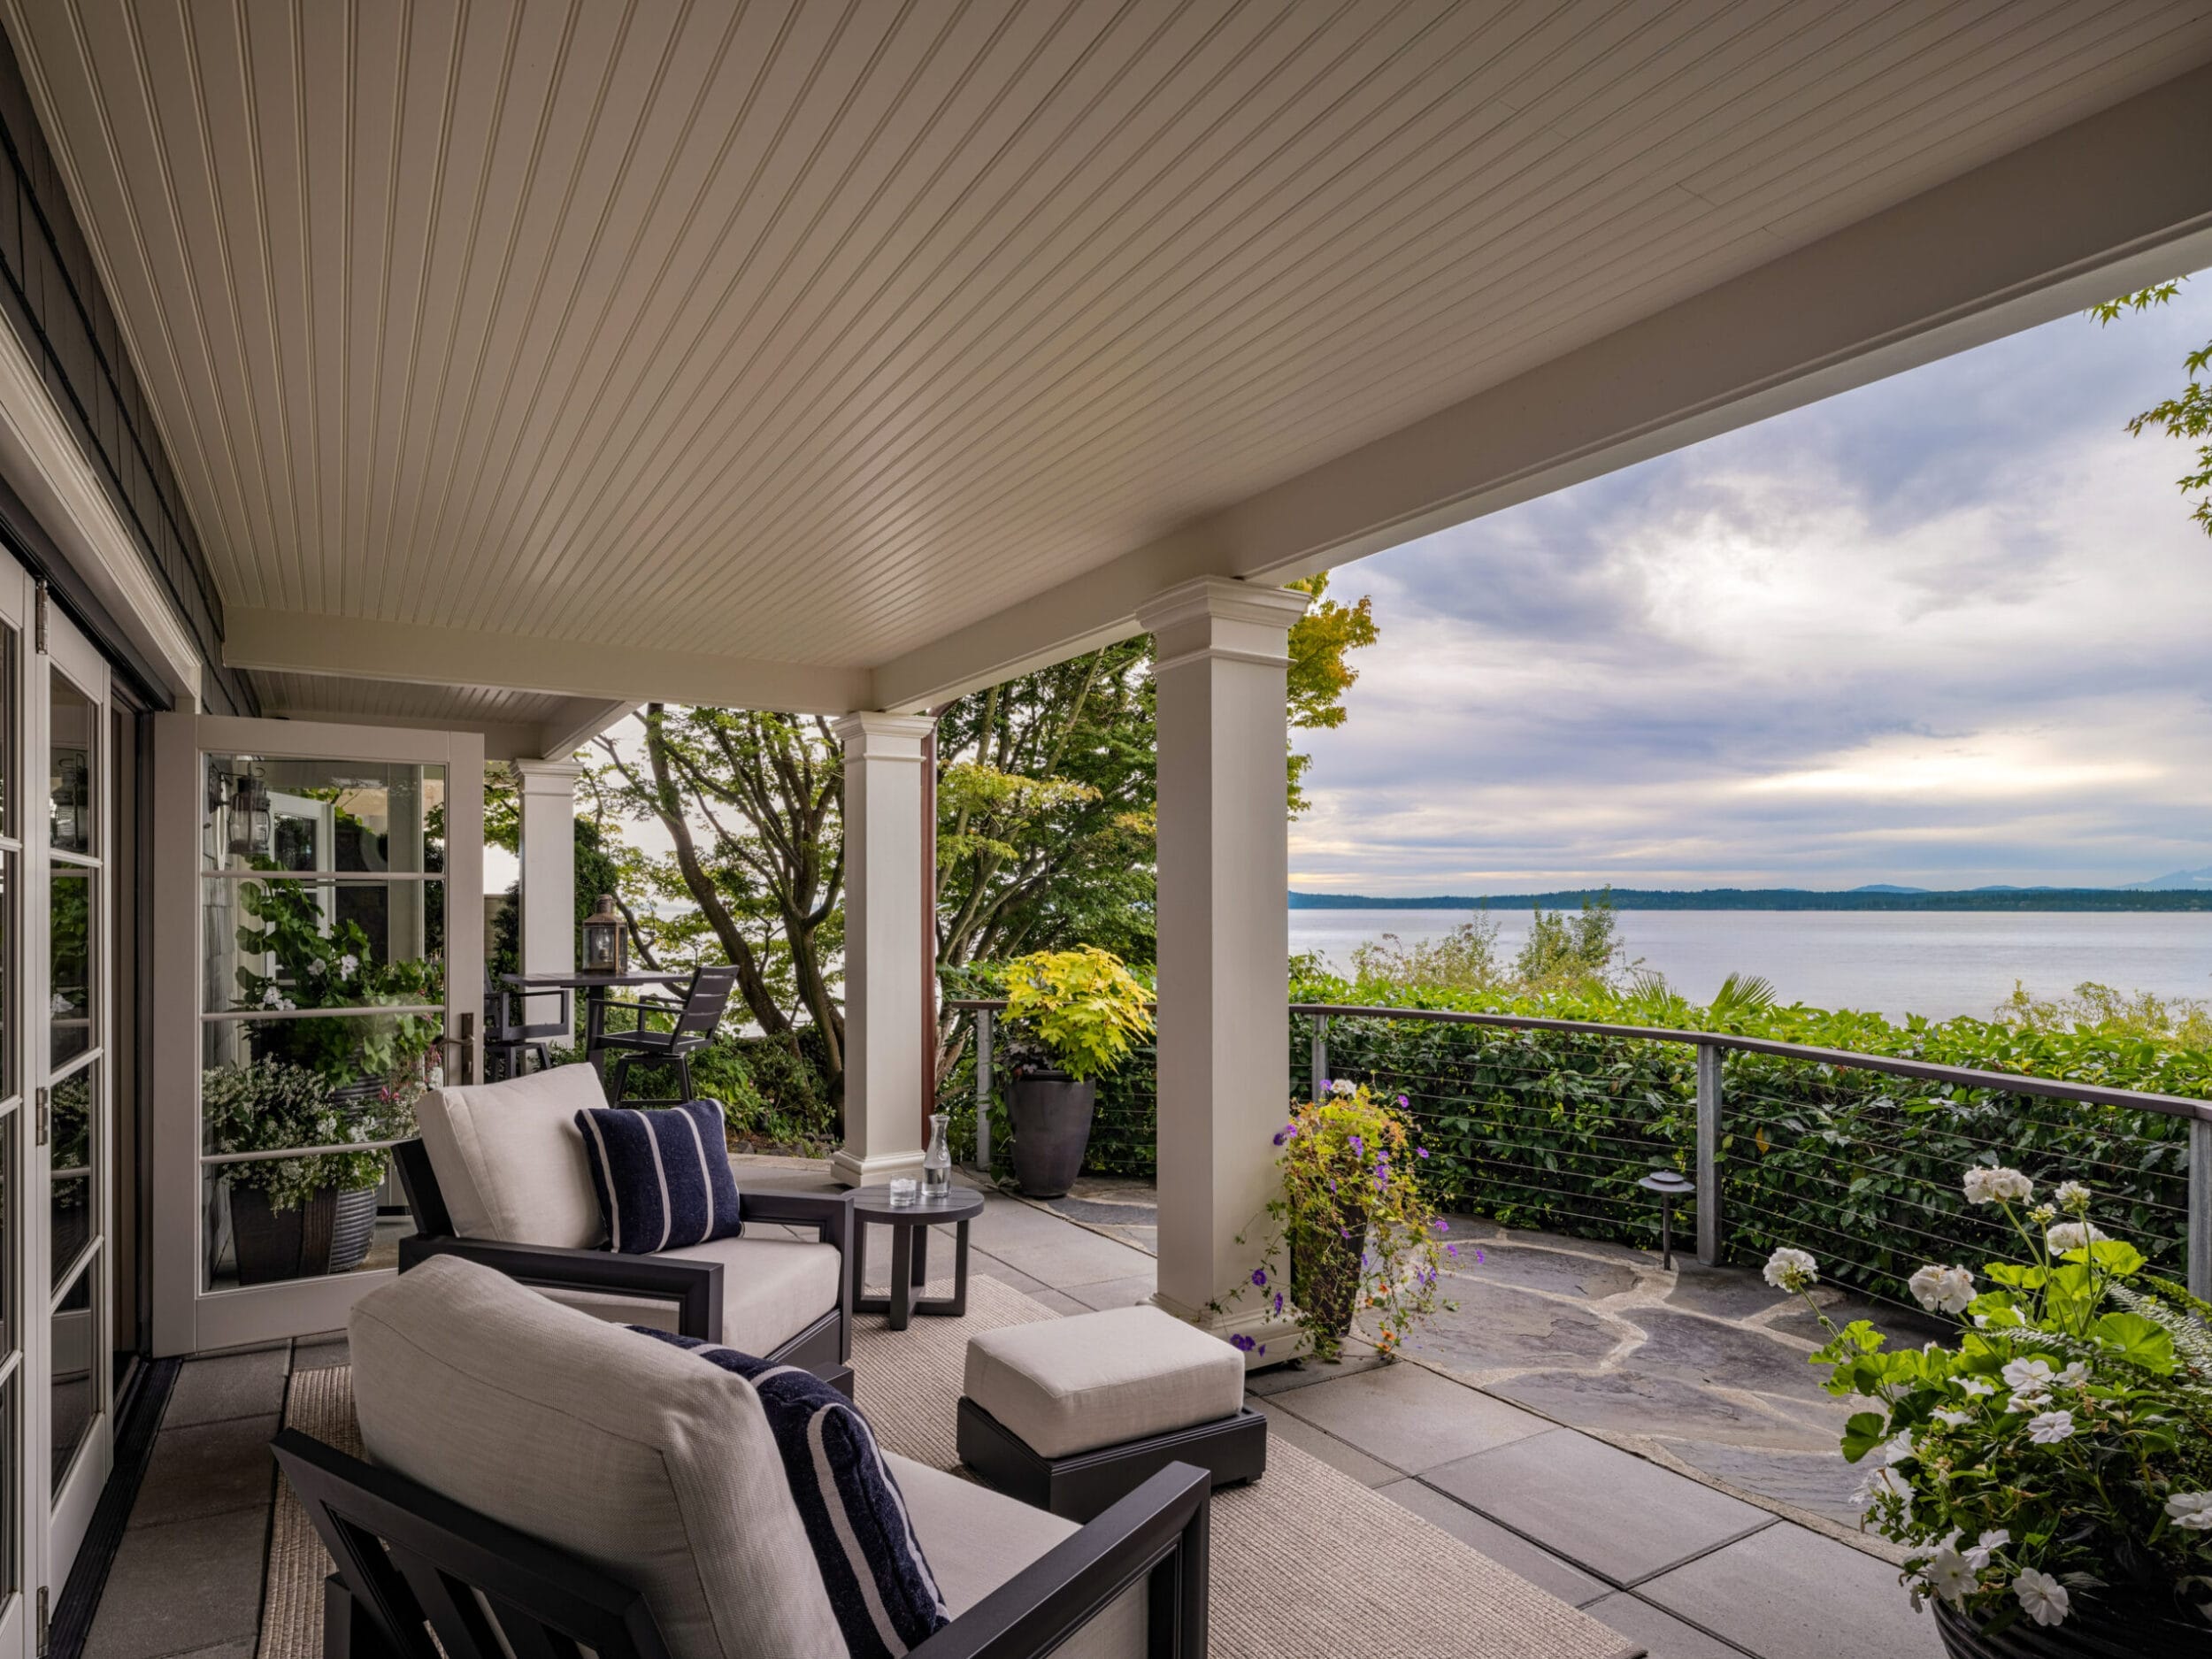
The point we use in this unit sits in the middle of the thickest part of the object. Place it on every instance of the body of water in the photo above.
(1939, 963)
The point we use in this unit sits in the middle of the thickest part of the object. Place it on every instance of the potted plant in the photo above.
(1359, 1233)
(1070, 1016)
(2050, 1468)
(303, 1217)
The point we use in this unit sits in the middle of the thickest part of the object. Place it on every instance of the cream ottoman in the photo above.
(1069, 1415)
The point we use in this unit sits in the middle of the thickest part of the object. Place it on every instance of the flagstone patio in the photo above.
(1645, 1444)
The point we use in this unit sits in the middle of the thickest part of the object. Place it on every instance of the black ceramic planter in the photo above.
(280, 1244)
(1052, 1130)
(2089, 1632)
(352, 1229)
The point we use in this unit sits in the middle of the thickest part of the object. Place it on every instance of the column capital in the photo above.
(564, 772)
(873, 735)
(1216, 618)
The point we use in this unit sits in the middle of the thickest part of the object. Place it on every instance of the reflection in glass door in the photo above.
(67, 1048)
(329, 881)
(18, 1615)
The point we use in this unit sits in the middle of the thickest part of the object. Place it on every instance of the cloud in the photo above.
(1944, 629)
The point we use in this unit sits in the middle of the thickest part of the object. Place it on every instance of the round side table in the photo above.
(910, 1227)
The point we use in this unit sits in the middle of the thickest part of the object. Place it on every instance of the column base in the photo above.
(847, 1171)
(1281, 1338)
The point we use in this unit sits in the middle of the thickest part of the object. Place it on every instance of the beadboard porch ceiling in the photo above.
(832, 354)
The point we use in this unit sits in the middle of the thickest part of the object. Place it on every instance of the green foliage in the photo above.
(321, 963)
(1465, 959)
(2182, 1022)
(2187, 414)
(1320, 674)
(1082, 1007)
(2057, 1450)
(1572, 950)
(271, 1104)
(1352, 1236)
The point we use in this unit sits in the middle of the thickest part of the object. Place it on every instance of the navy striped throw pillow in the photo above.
(885, 1599)
(663, 1177)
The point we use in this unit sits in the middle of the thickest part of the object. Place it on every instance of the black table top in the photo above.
(585, 981)
(957, 1205)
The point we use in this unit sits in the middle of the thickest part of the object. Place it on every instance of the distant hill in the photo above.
(2178, 881)
(2157, 896)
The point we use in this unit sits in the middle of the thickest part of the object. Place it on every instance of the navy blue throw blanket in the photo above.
(663, 1177)
(881, 1590)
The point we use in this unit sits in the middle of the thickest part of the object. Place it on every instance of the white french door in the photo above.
(56, 1272)
(318, 944)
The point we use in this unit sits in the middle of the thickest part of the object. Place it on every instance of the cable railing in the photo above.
(1550, 1124)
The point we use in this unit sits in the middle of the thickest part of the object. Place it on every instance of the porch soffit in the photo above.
(820, 356)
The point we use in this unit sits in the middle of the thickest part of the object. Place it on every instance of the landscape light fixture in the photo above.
(1670, 1184)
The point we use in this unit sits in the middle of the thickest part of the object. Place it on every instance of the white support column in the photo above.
(548, 899)
(885, 981)
(1224, 933)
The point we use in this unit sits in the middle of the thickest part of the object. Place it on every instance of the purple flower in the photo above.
(1243, 1343)
(1260, 1352)
(1451, 1249)
(1358, 1145)
(1402, 1100)
(1443, 1227)
(1420, 1152)
(1259, 1276)
(1480, 1257)
(1279, 1136)
(1279, 1301)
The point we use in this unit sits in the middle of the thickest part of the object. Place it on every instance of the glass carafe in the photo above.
(937, 1162)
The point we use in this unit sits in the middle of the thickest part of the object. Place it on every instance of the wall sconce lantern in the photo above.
(252, 824)
(604, 948)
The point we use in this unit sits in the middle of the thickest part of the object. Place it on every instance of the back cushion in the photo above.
(663, 1178)
(510, 1160)
(657, 1468)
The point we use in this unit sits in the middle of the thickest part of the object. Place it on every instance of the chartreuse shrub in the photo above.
(2052, 1461)
(1081, 1008)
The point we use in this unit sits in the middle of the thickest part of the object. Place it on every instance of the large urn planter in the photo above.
(1052, 1115)
(1325, 1277)
(2090, 1632)
(275, 1245)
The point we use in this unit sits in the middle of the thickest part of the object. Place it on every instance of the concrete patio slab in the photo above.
(1410, 1419)
(1117, 1293)
(228, 1385)
(206, 1470)
(1297, 1432)
(183, 1587)
(1818, 1481)
(1607, 1511)
(1550, 1573)
(1662, 1635)
(1837, 1600)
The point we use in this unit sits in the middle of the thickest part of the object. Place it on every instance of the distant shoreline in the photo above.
(1780, 899)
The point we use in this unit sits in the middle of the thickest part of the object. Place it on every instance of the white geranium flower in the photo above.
(2028, 1376)
(2072, 1195)
(2043, 1597)
(2191, 1510)
(1979, 1386)
(2034, 1401)
(2051, 1428)
(1791, 1269)
(2074, 1375)
(1880, 1483)
(271, 996)
(1897, 1448)
(2043, 1215)
(1955, 1419)
(348, 964)
(1949, 1575)
(2072, 1235)
(1988, 1545)
(1989, 1187)
(1942, 1289)
(317, 968)
(57, 1004)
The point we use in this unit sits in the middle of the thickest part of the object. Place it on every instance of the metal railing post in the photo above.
(1320, 1074)
(983, 1024)
(2201, 1208)
(1709, 1056)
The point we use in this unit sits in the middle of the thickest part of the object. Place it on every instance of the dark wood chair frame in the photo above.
(411, 1563)
(825, 1346)
(705, 1001)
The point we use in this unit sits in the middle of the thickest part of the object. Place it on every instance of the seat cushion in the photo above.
(1067, 1385)
(771, 1290)
(510, 1158)
(658, 1469)
(663, 1177)
(878, 1581)
(977, 1538)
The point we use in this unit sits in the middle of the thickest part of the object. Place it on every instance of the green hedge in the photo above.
(1552, 1130)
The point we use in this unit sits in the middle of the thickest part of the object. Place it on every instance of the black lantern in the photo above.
(604, 947)
(73, 800)
(252, 824)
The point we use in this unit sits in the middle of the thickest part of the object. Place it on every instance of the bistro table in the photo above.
(910, 1225)
(595, 987)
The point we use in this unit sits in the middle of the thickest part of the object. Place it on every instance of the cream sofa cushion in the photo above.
(629, 1452)
(510, 1160)
(773, 1288)
(975, 1540)
(1067, 1385)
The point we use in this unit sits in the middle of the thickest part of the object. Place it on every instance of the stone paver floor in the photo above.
(1642, 1444)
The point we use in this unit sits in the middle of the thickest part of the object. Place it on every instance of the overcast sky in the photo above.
(1947, 630)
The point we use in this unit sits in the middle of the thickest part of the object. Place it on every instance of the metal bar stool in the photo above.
(696, 1018)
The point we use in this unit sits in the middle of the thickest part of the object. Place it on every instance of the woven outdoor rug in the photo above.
(1307, 1564)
